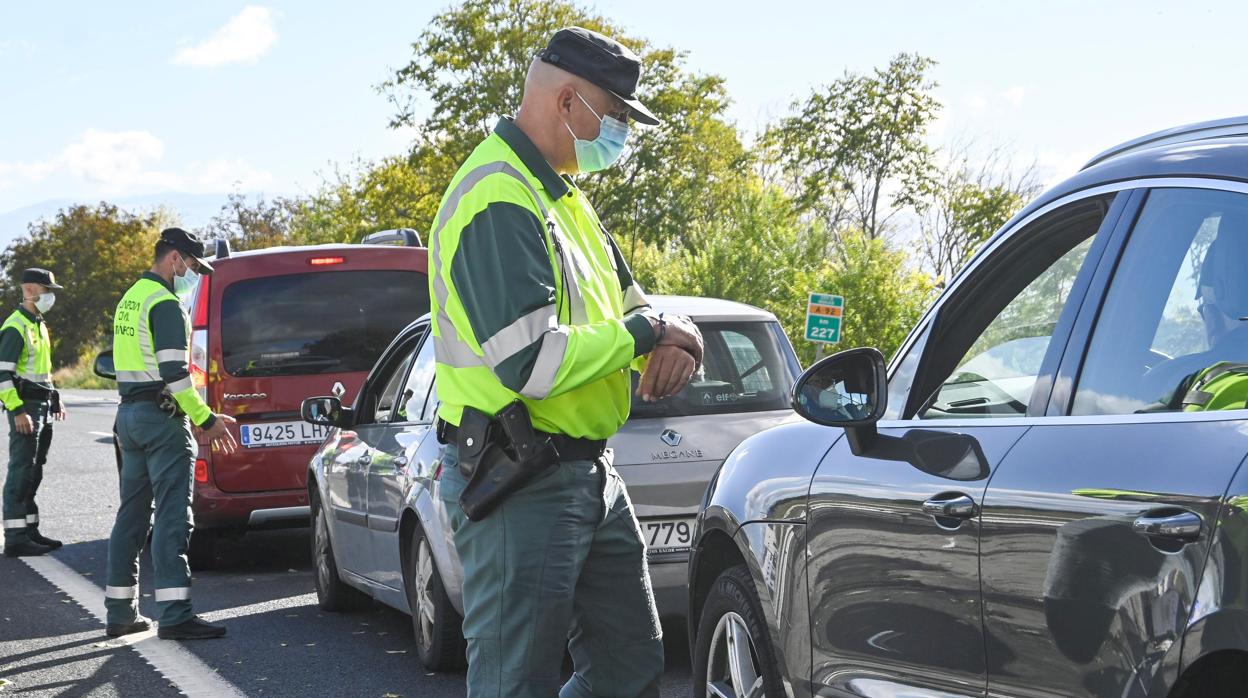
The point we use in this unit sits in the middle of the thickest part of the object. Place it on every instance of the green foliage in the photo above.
(377, 196)
(253, 226)
(96, 252)
(452, 96)
(82, 376)
(857, 139)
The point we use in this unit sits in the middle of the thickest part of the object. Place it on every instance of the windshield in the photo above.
(748, 367)
(320, 322)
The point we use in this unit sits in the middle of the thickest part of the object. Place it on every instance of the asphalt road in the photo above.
(280, 642)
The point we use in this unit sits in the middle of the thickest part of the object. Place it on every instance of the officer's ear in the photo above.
(565, 97)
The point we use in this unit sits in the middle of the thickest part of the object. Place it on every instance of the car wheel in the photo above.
(436, 624)
(201, 554)
(332, 593)
(733, 657)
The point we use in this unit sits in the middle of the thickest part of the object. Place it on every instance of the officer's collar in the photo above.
(156, 277)
(532, 158)
(33, 317)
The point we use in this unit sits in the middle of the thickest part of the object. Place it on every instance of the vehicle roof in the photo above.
(1187, 133)
(305, 249)
(710, 309)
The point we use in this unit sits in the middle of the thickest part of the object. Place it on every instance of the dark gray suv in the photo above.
(1041, 494)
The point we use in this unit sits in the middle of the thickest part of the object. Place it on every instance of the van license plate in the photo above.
(269, 434)
(667, 535)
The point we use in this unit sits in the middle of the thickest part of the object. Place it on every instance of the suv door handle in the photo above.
(1184, 526)
(401, 461)
(955, 506)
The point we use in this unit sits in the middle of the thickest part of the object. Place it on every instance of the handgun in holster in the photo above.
(499, 455)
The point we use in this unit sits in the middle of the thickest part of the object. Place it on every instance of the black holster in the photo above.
(499, 455)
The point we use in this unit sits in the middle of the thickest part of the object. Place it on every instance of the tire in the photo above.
(732, 616)
(202, 552)
(333, 594)
(437, 626)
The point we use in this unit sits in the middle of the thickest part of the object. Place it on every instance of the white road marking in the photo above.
(183, 669)
(100, 433)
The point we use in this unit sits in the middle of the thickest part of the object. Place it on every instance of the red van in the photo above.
(270, 328)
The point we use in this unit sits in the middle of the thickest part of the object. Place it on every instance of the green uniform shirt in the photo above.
(531, 298)
(150, 337)
(25, 355)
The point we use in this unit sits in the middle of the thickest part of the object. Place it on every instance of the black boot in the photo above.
(27, 549)
(194, 629)
(139, 625)
(41, 539)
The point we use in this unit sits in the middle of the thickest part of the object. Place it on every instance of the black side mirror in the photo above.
(104, 365)
(850, 390)
(326, 411)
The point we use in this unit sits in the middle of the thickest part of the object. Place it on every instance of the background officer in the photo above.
(150, 333)
(533, 301)
(32, 404)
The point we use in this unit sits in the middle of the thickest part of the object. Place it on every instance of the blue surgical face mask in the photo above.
(185, 282)
(603, 151)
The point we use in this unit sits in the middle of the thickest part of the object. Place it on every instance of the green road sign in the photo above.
(824, 314)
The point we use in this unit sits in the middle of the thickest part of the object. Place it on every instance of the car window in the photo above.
(745, 368)
(317, 322)
(1173, 332)
(989, 350)
(412, 400)
(386, 398)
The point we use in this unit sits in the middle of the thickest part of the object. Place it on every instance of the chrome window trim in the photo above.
(967, 271)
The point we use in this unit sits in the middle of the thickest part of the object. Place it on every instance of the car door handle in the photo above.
(1184, 526)
(959, 506)
(401, 461)
(365, 459)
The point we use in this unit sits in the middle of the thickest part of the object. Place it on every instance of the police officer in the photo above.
(150, 333)
(32, 404)
(532, 300)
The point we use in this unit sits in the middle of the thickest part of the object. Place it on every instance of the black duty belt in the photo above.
(569, 447)
(145, 396)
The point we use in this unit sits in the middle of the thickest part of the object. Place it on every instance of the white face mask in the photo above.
(185, 282)
(45, 301)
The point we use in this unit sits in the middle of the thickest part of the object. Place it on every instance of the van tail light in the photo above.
(199, 362)
(201, 470)
(326, 261)
(199, 318)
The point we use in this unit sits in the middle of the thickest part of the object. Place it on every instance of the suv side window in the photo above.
(412, 401)
(1173, 332)
(991, 339)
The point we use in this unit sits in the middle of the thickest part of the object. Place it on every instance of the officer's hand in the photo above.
(23, 423)
(60, 416)
(220, 435)
(667, 373)
(681, 332)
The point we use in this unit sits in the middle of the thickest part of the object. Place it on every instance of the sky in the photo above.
(124, 100)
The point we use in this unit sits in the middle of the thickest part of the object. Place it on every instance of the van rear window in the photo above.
(747, 367)
(323, 322)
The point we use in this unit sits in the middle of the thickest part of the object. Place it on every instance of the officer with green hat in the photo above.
(535, 306)
(159, 403)
(32, 404)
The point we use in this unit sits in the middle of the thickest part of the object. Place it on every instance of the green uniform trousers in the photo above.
(560, 565)
(157, 462)
(27, 455)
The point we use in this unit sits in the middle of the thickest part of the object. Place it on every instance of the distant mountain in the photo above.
(192, 210)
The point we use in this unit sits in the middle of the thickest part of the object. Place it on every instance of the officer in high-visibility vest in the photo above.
(150, 336)
(32, 404)
(533, 301)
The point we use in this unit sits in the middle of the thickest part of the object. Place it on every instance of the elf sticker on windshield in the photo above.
(824, 313)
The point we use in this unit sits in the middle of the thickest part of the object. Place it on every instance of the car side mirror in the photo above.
(104, 367)
(326, 411)
(850, 390)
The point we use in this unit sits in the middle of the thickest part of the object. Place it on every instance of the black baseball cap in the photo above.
(43, 277)
(601, 60)
(187, 244)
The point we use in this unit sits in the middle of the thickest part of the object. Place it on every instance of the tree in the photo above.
(374, 196)
(969, 202)
(855, 152)
(468, 68)
(96, 252)
(248, 226)
(884, 296)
